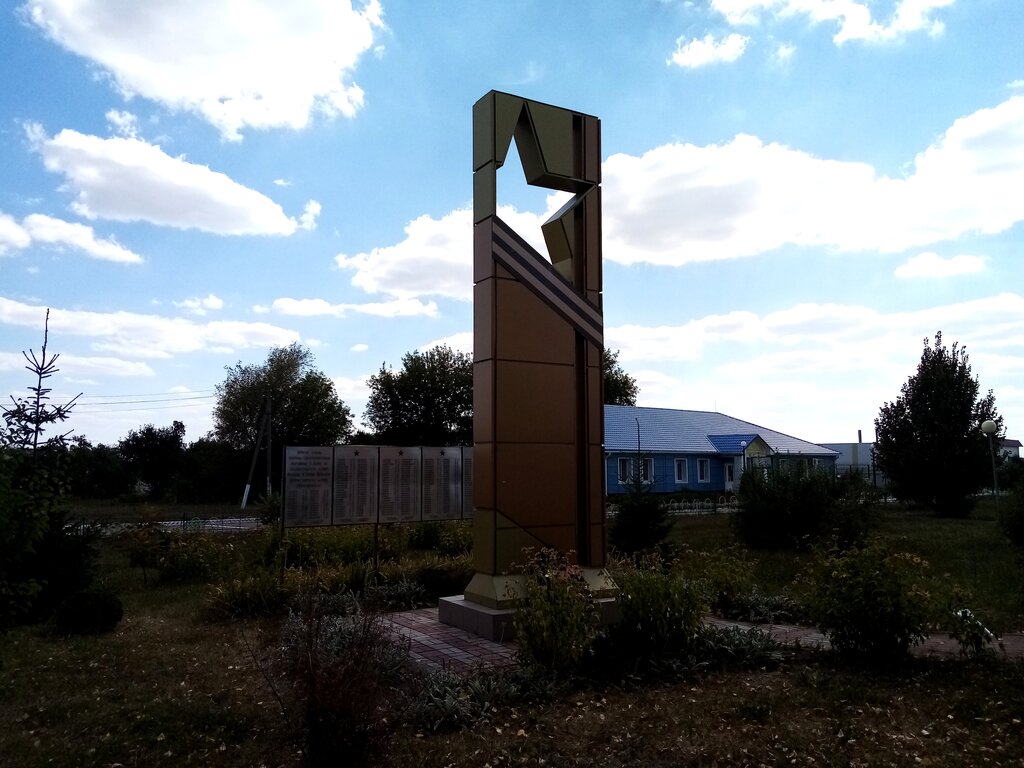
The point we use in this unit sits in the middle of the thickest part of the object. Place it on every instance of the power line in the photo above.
(161, 400)
(149, 408)
(154, 394)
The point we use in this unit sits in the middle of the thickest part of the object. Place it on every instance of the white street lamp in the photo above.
(989, 428)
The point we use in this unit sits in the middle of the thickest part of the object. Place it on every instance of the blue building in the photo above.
(694, 450)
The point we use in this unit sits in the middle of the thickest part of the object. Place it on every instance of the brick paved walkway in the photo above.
(438, 646)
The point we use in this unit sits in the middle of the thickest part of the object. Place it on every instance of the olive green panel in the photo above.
(483, 131)
(508, 110)
(485, 192)
(552, 127)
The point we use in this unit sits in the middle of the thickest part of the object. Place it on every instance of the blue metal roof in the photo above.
(667, 430)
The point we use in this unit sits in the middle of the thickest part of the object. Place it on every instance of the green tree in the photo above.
(304, 405)
(428, 402)
(42, 558)
(619, 387)
(153, 456)
(929, 440)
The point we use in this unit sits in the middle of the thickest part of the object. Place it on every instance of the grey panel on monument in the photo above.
(442, 483)
(308, 476)
(355, 484)
(400, 500)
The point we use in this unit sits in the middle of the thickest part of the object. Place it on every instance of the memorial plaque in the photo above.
(399, 485)
(307, 489)
(442, 483)
(356, 470)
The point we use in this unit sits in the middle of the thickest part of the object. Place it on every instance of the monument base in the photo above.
(487, 607)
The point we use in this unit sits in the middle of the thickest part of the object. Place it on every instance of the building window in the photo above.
(682, 475)
(629, 469)
(703, 470)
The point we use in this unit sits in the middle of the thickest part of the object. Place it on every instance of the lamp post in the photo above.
(989, 428)
(743, 454)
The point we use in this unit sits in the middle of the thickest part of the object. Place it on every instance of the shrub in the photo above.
(782, 506)
(344, 670)
(1011, 516)
(443, 576)
(189, 557)
(447, 701)
(258, 594)
(660, 613)
(555, 618)
(733, 647)
(973, 637)
(89, 612)
(724, 574)
(871, 602)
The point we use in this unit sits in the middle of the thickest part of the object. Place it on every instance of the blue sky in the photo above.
(796, 192)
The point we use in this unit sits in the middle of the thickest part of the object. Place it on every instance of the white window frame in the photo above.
(627, 465)
(647, 470)
(703, 470)
(682, 478)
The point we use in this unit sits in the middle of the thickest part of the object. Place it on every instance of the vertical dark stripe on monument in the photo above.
(583, 500)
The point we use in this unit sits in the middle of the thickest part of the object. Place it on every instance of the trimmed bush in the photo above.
(1011, 516)
(90, 612)
(871, 602)
(258, 594)
(661, 613)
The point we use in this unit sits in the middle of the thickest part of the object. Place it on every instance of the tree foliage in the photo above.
(305, 407)
(428, 402)
(153, 456)
(929, 441)
(619, 387)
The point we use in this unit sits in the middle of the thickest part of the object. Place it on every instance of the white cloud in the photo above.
(819, 371)
(136, 335)
(200, 305)
(47, 229)
(405, 307)
(359, 348)
(1016, 84)
(784, 52)
(459, 342)
(72, 366)
(282, 182)
(682, 203)
(932, 265)
(123, 123)
(126, 179)
(436, 256)
(264, 64)
(309, 215)
(700, 52)
(853, 17)
(12, 235)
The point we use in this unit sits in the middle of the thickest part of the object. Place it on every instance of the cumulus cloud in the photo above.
(12, 235)
(128, 179)
(683, 203)
(699, 52)
(853, 17)
(404, 307)
(932, 265)
(818, 368)
(137, 335)
(459, 342)
(359, 348)
(267, 65)
(436, 256)
(309, 215)
(47, 229)
(123, 123)
(39, 228)
(72, 366)
(200, 306)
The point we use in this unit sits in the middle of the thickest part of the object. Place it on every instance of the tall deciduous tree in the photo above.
(929, 440)
(619, 387)
(428, 402)
(305, 407)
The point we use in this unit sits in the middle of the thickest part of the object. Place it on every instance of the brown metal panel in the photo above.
(594, 396)
(592, 149)
(483, 400)
(484, 541)
(554, 135)
(531, 483)
(484, 325)
(527, 328)
(484, 496)
(535, 402)
(483, 258)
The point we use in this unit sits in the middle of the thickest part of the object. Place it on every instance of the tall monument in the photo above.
(538, 420)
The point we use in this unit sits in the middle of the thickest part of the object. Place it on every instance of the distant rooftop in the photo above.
(677, 431)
